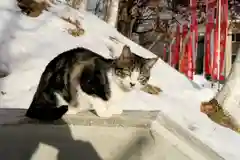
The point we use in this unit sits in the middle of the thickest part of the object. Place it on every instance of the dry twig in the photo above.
(78, 30)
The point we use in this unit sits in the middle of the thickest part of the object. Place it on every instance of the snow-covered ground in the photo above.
(28, 44)
(202, 82)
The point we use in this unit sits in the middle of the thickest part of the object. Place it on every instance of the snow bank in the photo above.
(30, 43)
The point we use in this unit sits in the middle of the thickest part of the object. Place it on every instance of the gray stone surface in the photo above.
(88, 137)
(188, 138)
(129, 118)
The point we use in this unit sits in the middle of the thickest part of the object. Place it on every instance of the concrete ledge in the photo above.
(82, 136)
(129, 118)
(134, 135)
(63, 142)
(184, 135)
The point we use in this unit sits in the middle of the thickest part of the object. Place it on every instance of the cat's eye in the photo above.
(118, 71)
(143, 80)
(127, 72)
(122, 72)
(144, 83)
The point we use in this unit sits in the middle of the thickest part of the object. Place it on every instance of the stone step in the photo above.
(88, 137)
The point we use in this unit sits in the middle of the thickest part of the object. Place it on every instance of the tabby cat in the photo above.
(86, 80)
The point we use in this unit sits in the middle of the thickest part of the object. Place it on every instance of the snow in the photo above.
(28, 44)
(202, 82)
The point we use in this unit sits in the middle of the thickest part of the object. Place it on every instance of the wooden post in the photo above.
(83, 5)
(228, 53)
(112, 14)
(219, 40)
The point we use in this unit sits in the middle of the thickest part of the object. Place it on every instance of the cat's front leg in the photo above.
(106, 109)
(84, 103)
(88, 102)
(101, 107)
(115, 110)
(113, 107)
(73, 107)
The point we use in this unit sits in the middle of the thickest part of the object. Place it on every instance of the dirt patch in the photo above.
(32, 8)
(216, 113)
(151, 89)
(77, 30)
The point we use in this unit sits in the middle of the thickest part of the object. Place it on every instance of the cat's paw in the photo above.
(72, 111)
(115, 110)
(104, 113)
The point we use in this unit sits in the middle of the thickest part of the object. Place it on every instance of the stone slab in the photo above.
(129, 118)
(130, 136)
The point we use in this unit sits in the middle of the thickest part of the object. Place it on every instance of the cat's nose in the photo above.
(132, 84)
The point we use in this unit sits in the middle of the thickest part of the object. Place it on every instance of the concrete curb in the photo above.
(165, 125)
(135, 135)
(129, 118)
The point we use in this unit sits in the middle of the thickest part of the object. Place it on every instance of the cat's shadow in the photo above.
(34, 141)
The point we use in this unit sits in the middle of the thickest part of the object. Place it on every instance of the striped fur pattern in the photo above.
(80, 79)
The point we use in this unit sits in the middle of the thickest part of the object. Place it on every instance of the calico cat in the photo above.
(85, 79)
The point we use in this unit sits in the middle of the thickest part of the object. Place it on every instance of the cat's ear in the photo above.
(150, 62)
(126, 53)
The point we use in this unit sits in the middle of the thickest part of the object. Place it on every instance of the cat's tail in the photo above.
(44, 113)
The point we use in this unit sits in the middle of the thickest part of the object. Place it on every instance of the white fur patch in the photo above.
(128, 83)
(102, 108)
